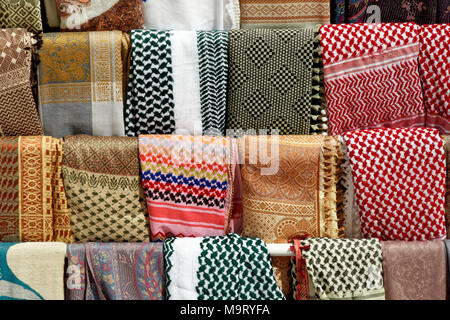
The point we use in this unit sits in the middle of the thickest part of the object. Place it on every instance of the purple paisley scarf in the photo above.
(115, 271)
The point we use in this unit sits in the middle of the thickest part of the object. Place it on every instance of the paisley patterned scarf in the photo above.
(115, 271)
(219, 268)
(33, 205)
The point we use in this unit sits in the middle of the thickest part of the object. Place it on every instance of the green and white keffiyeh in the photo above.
(344, 269)
(219, 268)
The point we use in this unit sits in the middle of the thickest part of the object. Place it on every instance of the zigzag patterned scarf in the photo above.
(18, 113)
(219, 268)
(371, 76)
(177, 83)
(189, 184)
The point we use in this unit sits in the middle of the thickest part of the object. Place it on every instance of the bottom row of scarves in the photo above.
(222, 268)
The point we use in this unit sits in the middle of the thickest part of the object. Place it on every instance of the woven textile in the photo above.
(270, 80)
(447, 184)
(345, 268)
(33, 204)
(219, 268)
(51, 14)
(80, 83)
(443, 12)
(434, 60)
(289, 190)
(338, 9)
(32, 271)
(414, 270)
(104, 15)
(376, 11)
(262, 14)
(399, 178)
(187, 72)
(115, 271)
(103, 188)
(18, 113)
(371, 76)
(183, 15)
(189, 183)
(21, 14)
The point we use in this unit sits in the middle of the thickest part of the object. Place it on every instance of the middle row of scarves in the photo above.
(336, 79)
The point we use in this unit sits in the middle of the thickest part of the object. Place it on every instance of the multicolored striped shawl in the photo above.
(33, 205)
(115, 271)
(189, 183)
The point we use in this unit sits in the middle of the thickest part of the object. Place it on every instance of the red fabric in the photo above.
(434, 62)
(371, 76)
(399, 177)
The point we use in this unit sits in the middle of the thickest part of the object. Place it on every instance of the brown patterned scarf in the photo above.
(33, 205)
(103, 186)
(291, 194)
(18, 112)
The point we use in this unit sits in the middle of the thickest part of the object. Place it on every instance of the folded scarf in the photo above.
(443, 12)
(262, 14)
(186, 73)
(183, 15)
(414, 270)
(103, 188)
(270, 80)
(291, 192)
(32, 271)
(399, 178)
(18, 113)
(51, 13)
(447, 185)
(21, 14)
(338, 10)
(219, 268)
(33, 205)
(80, 83)
(115, 271)
(434, 60)
(376, 11)
(190, 184)
(344, 269)
(104, 15)
(368, 83)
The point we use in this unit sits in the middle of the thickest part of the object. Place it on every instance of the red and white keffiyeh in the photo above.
(371, 76)
(434, 60)
(399, 178)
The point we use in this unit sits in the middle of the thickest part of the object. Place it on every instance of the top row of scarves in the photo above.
(125, 15)
(188, 82)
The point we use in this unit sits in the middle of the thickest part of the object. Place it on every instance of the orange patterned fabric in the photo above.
(298, 198)
(33, 204)
(284, 13)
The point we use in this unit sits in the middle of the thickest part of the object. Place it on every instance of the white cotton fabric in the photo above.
(191, 14)
(81, 14)
(184, 270)
(186, 83)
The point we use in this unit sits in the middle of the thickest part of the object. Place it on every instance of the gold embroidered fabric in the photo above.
(298, 197)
